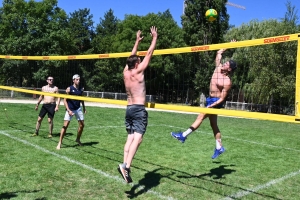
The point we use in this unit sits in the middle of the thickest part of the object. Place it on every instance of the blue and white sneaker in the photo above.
(178, 136)
(218, 152)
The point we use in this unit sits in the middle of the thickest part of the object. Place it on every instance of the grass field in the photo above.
(261, 159)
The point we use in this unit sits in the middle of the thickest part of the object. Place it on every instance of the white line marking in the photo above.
(237, 195)
(199, 131)
(246, 192)
(85, 166)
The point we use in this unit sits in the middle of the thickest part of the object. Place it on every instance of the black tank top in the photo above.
(74, 104)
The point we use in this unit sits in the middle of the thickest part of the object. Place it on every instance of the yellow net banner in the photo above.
(245, 43)
(192, 109)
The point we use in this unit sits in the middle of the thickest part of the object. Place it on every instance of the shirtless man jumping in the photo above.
(136, 117)
(220, 85)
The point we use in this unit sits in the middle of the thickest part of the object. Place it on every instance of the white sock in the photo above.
(187, 132)
(218, 144)
(124, 165)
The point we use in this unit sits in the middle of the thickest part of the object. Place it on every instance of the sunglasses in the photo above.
(50, 79)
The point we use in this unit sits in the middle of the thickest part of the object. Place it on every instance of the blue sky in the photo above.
(255, 9)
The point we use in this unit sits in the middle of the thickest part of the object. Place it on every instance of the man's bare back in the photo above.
(133, 73)
(135, 86)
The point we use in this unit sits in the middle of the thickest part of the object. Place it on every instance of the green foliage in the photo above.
(163, 73)
(31, 28)
(81, 30)
(102, 75)
(38, 28)
(267, 73)
(199, 31)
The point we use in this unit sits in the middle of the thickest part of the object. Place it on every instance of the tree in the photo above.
(198, 31)
(164, 73)
(267, 73)
(32, 28)
(104, 74)
(81, 28)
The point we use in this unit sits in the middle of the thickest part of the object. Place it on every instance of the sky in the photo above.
(255, 9)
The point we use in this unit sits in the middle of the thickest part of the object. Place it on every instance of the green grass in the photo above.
(261, 159)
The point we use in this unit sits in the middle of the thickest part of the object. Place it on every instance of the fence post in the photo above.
(202, 100)
(34, 95)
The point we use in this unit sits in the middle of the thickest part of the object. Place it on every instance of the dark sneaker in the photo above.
(125, 172)
(218, 152)
(178, 136)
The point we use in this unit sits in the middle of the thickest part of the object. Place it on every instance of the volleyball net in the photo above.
(265, 86)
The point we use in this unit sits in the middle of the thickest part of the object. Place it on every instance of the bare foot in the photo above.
(79, 143)
(58, 146)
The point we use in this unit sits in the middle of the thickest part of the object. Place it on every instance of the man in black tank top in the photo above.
(73, 109)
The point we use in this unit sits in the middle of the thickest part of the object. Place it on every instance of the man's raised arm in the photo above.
(137, 41)
(150, 51)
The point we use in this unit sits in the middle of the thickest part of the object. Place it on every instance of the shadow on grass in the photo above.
(58, 134)
(9, 195)
(151, 180)
(216, 173)
(84, 144)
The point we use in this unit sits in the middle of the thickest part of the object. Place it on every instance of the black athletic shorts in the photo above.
(136, 119)
(48, 108)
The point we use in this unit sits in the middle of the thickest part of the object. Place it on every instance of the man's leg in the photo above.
(62, 133)
(137, 140)
(217, 134)
(50, 121)
(133, 142)
(198, 121)
(79, 131)
(37, 126)
(129, 141)
(51, 113)
(181, 136)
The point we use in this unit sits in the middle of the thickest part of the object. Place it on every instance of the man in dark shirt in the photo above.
(73, 108)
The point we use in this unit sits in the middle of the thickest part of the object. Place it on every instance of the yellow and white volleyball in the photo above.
(211, 15)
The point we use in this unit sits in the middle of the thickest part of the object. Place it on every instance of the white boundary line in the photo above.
(85, 166)
(246, 192)
(234, 196)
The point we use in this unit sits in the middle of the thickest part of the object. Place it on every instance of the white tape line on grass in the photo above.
(84, 165)
(260, 187)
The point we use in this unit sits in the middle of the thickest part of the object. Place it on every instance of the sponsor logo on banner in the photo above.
(142, 53)
(46, 57)
(71, 57)
(103, 55)
(277, 39)
(7, 56)
(24, 57)
(200, 48)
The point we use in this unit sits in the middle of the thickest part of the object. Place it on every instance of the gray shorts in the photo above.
(77, 113)
(136, 119)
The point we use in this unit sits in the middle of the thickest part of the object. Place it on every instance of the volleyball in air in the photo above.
(211, 15)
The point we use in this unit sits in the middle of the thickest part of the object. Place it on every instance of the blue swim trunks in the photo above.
(211, 100)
